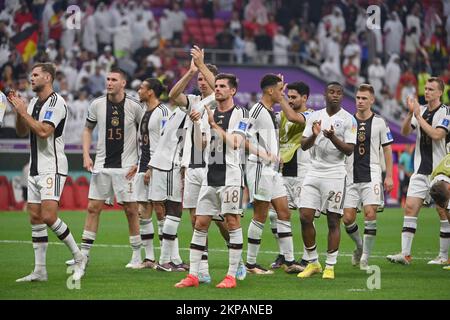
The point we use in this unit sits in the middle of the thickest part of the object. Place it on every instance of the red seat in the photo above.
(210, 41)
(207, 32)
(81, 192)
(219, 24)
(191, 22)
(67, 199)
(206, 23)
(4, 193)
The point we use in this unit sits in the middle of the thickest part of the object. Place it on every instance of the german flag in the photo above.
(26, 42)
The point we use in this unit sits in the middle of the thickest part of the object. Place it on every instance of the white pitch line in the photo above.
(427, 255)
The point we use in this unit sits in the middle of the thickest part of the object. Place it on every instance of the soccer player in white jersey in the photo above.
(44, 120)
(152, 123)
(432, 122)
(264, 181)
(117, 117)
(292, 121)
(194, 160)
(221, 192)
(331, 135)
(364, 179)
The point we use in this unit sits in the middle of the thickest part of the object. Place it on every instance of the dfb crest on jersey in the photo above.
(115, 121)
(361, 136)
(338, 123)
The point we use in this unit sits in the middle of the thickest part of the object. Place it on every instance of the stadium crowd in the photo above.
(145, 39)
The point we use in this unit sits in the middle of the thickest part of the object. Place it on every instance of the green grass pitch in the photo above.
(107, 277)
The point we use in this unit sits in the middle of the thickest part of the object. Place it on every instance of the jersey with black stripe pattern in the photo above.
(263, 130)
(430, 152)
(364, 165)
(47, 155)
(225, 167)
(117, 145)
(150, 130)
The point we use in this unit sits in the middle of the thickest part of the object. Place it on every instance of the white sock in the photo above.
(235, 251)
(197, 248)
(169, 236)
(255, 230)
(136, 243)
(353, 232)
(312, 253)
(39, 236)
(370, 231)
(444, 240)
(175, 255)
(273, 226)
(204, 266)
(63, 233)
(160, 228)
(331, 258)
(409, 229)
(305, 255)
(286, 244)
(147, 235)
(87, 240)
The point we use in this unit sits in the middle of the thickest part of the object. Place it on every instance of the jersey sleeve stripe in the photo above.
(257, 111)
(387, 143)
(442, 127)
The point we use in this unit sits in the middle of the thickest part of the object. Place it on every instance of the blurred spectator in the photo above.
(411, 45)
(51, 49)
(151, 35)
(23, 16)
(103, 23)
(106, 60)
(77, 117)
(331, 70)
(413, 21)
(351, 72)
(176, 18)
(281, 44)
(353, 49)
(422, 78)
(407, 90)
(165, 28)
(225, 40)
(250, 48)
(97, 82)
(271, 26)
(238, 47)
(392, 74)
(437, 51)
(376, 73)
(89, 39)
(393, 33)
(256, 11)
(407, 78)
(143, 52)
(122, 39)
(335, 22)
(263, 45)
(235, 23)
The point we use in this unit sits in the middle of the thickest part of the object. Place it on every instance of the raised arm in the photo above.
(176, 95)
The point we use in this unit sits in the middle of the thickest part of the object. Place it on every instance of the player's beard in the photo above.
(37, 88)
